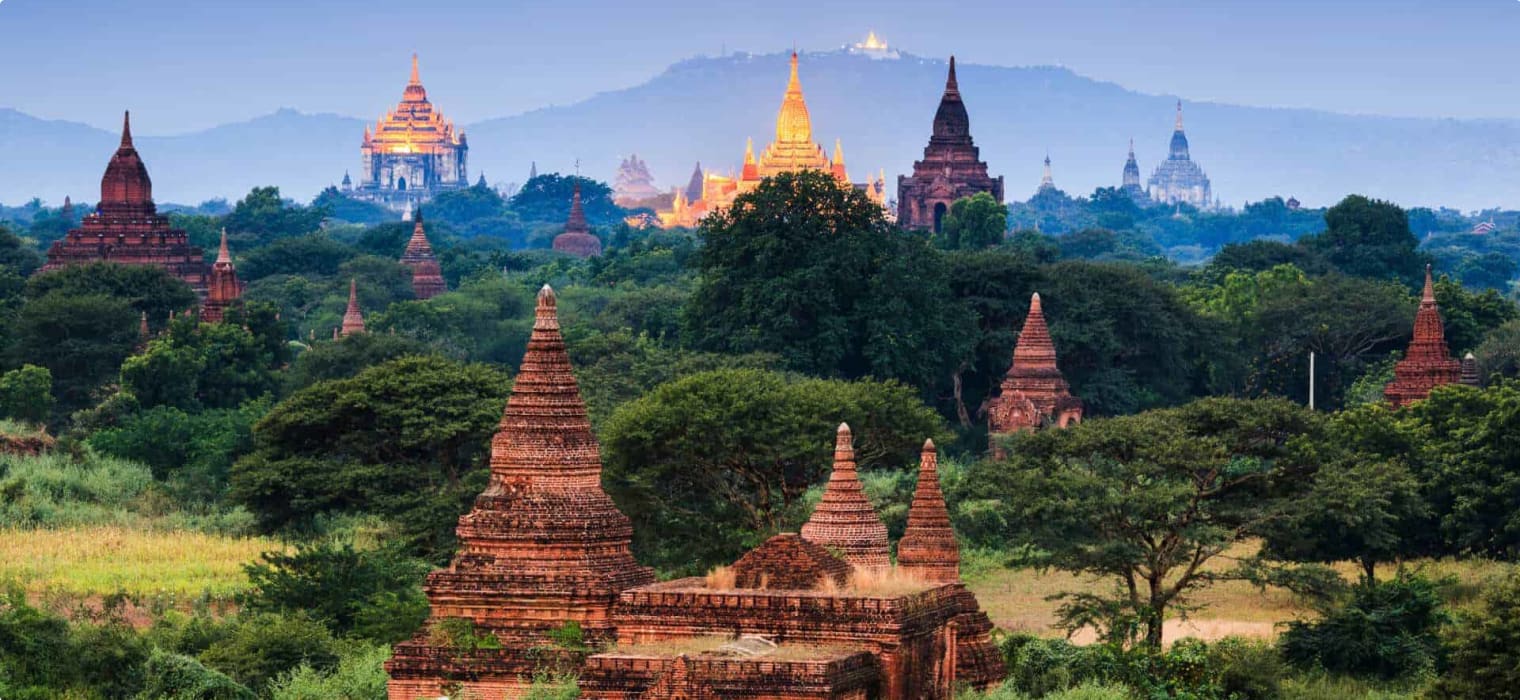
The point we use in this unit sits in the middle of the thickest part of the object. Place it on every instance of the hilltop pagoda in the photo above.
(1428, 363)
(126, 227)
(427, 279)
(223, 287)
(578, 240)
(1033, 393)
(413, 153)
(951, 169)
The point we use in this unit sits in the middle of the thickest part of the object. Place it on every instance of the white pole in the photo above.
(1311, 381)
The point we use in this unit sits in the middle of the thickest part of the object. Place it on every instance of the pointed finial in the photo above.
(1428, 296)
(222, 256)
(126, 129)
(1179, 115)
(838, 152)
(929, 447)
(1132, 146)
(794, 84)
(416, 79)
(951, 84)
(1034, 302)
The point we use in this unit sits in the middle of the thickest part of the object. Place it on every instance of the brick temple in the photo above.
(578, 240)
(1428, 363)
(126, 227)
(1033, 394)
(353, 317)
(952, 167)
(795, 619)
(223, 288)
(427, 278)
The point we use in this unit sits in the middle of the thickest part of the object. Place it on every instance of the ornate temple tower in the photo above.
(1428, 363)
(1047, 178)
(126, 227)
(1033, 393)
(951, 169)
(223, 287)
(412, 154)
(1178, 179)
(427, 279)
(928, 548)
(578, 240)
(844, 520)
(543, 545)
(1130, 185)
(634, 185)
(353, 318)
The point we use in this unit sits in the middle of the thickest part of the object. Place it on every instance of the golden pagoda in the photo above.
(792, 150)
(412, 153)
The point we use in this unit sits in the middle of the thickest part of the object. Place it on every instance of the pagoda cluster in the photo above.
(544, 547)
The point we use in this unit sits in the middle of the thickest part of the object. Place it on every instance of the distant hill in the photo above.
(703, 108)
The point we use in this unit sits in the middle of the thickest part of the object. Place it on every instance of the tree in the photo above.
(26, 394)
(313, 254)
(1491, 270)
(16, 255)
(200, 365)
(1148, 502)
(1467, 316)
(372, 593)
(730, 453)
(344, 208)
(147, 289)
(974, 222)
(1369, 238)
(1471, 442)
(1484, 659)
(1388, 629)
(460, 207)
(1260, 255)
(263, 216)
(170, 676)
(406, 439)
(546, 198)
(261, 647)
(995, 286)
(80, 340)
(1499, 353)
(812, 271)
(349, 356)
(192, 452)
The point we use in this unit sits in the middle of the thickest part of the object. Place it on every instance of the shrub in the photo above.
(262, 647)
(26, 394)
(1485, 649)
(373, 593)
(1387, 630)
(359, 675)
(170, 676)
(1247, 669)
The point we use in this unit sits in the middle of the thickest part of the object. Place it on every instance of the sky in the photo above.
(185, 65)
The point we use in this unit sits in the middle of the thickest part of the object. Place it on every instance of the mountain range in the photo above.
(703, 109)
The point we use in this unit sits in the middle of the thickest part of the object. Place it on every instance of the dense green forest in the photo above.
(715, 363)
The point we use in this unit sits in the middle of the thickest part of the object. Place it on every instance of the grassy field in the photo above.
(1016, 599)
(173, 567)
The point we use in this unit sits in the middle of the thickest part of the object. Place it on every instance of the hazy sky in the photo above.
(181, 65)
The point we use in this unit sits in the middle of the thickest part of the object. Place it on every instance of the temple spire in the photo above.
(793, 125)
(928, 548)
(416, 77)
(844, 520)
(1428, 295)
(126, 129)
(353, 318)
(1427, 363)
(1179, 115)
(222, 256)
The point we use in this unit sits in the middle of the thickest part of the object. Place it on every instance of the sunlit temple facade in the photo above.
(792, 150)
(413, 153)
(1178, 179)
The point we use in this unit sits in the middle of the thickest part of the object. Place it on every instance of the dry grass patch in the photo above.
(96, 561)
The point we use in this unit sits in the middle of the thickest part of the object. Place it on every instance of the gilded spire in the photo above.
(749, 152)
(928, 548)
(793, 124)
(838, 153)
(844, 520)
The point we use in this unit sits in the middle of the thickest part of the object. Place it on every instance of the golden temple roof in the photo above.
(413, 126)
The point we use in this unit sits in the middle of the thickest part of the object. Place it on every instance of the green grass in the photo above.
(54, 490)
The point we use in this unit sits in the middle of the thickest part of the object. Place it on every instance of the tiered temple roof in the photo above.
(223, 288)
(928, 548)
(1033, 393)
(543, 545)
(427, 278)
(951, 169)
(412, 153)
(353, 318)
(1179, 179)
(1428, 363)
(844, 520)
(126, 227)
(578, 240)
(1130, 184)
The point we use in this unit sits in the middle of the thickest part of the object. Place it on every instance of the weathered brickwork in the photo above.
(353, 318)
(1429, 363)
(788, 562)
(1033, 393)
(427, 277)
(578, 240)
(223, 289)
(928, 548)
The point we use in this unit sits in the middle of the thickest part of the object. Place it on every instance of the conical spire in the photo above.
(222, 256)
(928, 548)
(223, 289)
(416, 77)
(952, 124)
(577, 221)
(577, 239)
(1033, 392)
(126, 129)
(1428, 362)
(353, 318)
(532, 169)
(1179, 115)
(1428, 295)
(793, 124)
(836, 165)
(844, 520)
(952, 86)
(126, 180)
(427, 277)
(1047, 179)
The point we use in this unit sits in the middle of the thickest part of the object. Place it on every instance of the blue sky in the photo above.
(182, 65)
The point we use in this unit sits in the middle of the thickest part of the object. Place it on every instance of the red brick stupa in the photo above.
(543, 546)
(844, 520)
(223, 288)
(126, 227)
(928, 548)
(952, 167)
(427, 279)
(577, 239)
(1033, 393)
(353, 318)
(1428, 364)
